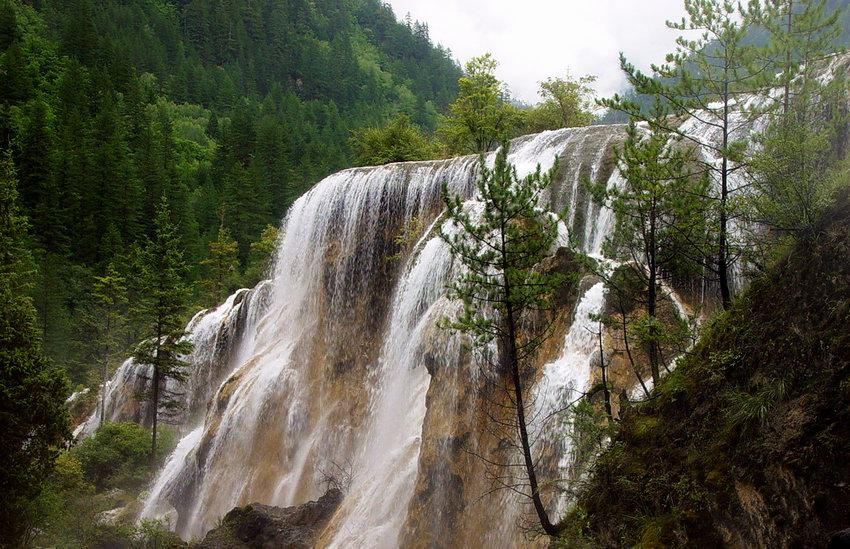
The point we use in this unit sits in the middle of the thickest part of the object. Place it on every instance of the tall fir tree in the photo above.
(106, 322)
(34, 422)
(165, 297)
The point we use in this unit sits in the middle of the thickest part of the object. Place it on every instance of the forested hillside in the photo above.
(230, 109)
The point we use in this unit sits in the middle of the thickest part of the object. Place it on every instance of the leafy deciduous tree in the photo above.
(481, 116)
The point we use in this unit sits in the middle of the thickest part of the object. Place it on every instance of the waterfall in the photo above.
(216, 335)
(336, 365)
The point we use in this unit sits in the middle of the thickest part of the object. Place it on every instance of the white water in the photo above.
(303, 388)
(566, 379)
(213, 333)
(375, 511)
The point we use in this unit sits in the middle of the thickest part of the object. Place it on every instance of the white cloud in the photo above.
(536, 39)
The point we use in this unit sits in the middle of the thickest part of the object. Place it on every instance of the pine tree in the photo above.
(793, 169)
(660, 225)
(503, 290)
(709, 79)
(802, 35)
(34, 421)
(223, 266)
(107, 321)
(164, 300)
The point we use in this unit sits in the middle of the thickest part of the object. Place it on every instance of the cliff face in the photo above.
(747, 442)
(338, 363)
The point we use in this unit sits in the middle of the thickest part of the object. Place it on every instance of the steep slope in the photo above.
(746, 443)
(231, 109)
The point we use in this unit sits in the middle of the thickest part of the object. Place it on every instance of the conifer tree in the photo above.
(793, 169)
(709, 79)
(106, 321)
(164, 300)
(660, 225)
(223, 266)
(503, 289)
(262, 255)
(34, 421)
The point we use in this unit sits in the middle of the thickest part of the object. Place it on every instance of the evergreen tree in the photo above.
(802, 34)
(34, 421)
(793, 169)
(709, 79)
(660, 225)
(222, 265)
(262, 255)
(503, 291)
(164, 301)
(106, 322)
(8, 25)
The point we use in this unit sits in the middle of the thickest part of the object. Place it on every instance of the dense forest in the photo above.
(230, 109)
(149, 150)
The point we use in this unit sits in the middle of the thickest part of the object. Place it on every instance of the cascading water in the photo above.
(343, 366)
(216, 335)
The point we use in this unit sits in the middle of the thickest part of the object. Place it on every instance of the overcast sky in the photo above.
(536, 39)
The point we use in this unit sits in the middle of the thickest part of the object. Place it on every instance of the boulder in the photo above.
(258, 526)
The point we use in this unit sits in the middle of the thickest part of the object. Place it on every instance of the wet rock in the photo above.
(259, 526)
(840, 540)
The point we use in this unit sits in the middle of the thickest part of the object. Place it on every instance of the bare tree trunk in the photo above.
(723, 243)
(513, 363)
(605, 392)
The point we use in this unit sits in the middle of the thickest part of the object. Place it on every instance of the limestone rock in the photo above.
(259, 526)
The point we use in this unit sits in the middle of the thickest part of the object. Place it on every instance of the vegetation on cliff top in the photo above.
(745, 443)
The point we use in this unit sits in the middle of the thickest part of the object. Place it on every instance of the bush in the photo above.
(398, 141)
(118, 455)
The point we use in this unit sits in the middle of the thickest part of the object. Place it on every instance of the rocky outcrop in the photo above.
(258, 526)
(745, 444)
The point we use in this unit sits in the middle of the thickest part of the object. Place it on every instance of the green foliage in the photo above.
(481, 117)
(262, 254)
(796, 169)
(746, 408)
(567, 103)
(108, 106)
(407, 237)
(163, 308)
(34, 421)
(223, 267)
(398, 141)
(760, 386)
(500, 247)
(118, 455)
(660, 230)
(709, 77)
(104, 323)
(500, 250)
